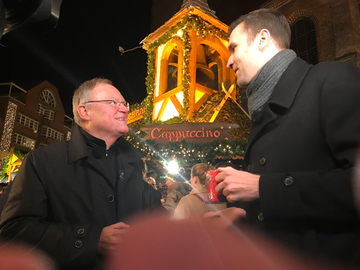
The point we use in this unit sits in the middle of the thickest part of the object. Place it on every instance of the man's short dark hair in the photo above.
(265, 18)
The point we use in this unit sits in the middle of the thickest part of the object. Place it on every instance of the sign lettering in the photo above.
(190, 132)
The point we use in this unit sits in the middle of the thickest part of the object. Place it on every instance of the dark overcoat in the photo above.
(304, 147)
(60, 200)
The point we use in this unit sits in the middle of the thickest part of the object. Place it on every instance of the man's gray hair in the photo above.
(82, 93)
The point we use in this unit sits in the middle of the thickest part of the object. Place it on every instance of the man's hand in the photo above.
(110, 236)
(226, 218)
(237, 185)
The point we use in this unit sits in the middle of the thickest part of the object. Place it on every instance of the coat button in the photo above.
(121, 175)
(288, 181)
(110, 198)
(262, 161)
(260, 217)
(78, 243)
(248, 168)
(81, 231)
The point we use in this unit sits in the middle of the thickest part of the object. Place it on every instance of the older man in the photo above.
(72, 199)
(302, 144)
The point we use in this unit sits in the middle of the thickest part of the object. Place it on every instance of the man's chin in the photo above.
(239, 82)
(126, 130)
(122, 131)
(242, 83)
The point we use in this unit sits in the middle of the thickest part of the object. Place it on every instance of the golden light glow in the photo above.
(157, 107)
(160, 51)
(180, 97)
(169, 112)
(179, 33)
(198, 95)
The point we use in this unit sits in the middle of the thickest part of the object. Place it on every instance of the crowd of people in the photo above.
(76, 201)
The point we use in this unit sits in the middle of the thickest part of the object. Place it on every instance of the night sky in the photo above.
(85, 42)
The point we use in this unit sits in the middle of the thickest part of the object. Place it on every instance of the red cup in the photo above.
(212, 195)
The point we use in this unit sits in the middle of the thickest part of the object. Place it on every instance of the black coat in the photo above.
(60, 200)
(304, 147)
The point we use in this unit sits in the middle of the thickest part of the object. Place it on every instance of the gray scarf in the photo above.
(262, 86)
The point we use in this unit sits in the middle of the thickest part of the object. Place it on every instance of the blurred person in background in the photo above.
(196, 203)
(175, 191)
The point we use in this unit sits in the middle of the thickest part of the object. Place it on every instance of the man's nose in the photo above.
(230, 62)
(123, 108)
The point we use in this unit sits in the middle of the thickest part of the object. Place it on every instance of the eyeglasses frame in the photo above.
(112, 102)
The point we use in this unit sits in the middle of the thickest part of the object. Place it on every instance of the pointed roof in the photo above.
(202, 4)
(199, 8)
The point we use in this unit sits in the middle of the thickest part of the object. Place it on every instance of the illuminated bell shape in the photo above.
(204, 74)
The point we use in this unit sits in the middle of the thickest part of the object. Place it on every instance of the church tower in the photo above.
(187, 59)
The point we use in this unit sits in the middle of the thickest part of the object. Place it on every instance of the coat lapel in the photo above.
(123, 174)
(283, 97)
(125, 159)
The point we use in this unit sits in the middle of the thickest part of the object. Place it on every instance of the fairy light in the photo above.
(172, 167)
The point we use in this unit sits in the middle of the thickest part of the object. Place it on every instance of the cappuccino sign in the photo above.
(190, 132)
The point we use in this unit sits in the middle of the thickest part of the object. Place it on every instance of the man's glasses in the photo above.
(111, 102)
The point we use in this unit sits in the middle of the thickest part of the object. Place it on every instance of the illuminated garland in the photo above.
(150, 82)
(189, 153)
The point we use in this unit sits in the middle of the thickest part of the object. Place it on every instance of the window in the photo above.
(28, 122)
(24, 141)
(303, 40)
(47, 113)
(51, 133)
(47, 104)
(47, 97)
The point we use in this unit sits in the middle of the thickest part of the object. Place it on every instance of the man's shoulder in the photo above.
(51, 150)
(326, 65)
(329, 71)
(334, 67)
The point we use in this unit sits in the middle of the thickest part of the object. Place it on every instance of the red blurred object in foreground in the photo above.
(23, 257)
(199, 243)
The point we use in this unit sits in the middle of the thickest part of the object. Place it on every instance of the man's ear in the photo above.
(83, 113)
(264, 38)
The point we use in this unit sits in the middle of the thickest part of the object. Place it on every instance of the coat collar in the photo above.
(77, 145)
(283, 97)
(289, 84)
(78, 148)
